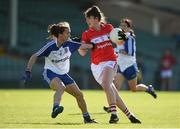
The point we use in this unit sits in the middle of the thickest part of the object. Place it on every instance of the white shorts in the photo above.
(98, 69)
(166, 73)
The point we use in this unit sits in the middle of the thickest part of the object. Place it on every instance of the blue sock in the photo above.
(55, 105)
(86, 114)
(148, 89)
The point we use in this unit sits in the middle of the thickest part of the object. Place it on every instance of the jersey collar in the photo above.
(101, 25)
(55, 40)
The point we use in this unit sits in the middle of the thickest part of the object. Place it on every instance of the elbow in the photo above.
(82, 52)
(34, 57)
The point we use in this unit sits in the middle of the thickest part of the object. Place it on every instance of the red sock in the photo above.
(127, 112)
(113, 109)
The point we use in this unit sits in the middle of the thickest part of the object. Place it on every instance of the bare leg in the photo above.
(57, 85)
(118, 80)
(141, 87)
(134, 87)
(163, 84)
(75, 91)
(119, 101)
(107, 80)
(124, 109)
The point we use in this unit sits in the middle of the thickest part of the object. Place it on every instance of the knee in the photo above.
(59, 88)
(105, 85)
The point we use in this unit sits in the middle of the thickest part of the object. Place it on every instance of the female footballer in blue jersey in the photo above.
(57, 55)
(127, 66)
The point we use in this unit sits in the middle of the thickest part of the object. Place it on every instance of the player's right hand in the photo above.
(122, 35)
(26, 77)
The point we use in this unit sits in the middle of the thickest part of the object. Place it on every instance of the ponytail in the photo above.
(56, 29)
(96, 12)
(132, 33)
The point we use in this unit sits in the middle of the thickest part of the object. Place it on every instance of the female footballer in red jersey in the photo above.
(103, 60)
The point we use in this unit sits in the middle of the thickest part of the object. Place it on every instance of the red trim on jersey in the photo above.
(103, 50)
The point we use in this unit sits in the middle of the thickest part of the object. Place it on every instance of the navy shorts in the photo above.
(49, 75)
(130, 73)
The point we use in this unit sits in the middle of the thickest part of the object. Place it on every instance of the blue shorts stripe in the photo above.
(49, 75)
(130, 73)
(45, 76)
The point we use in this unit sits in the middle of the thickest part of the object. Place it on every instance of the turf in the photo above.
(32, 109)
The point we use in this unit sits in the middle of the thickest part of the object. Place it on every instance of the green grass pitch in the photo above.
(32, 109)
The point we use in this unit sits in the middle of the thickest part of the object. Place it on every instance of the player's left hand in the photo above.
(26, 77)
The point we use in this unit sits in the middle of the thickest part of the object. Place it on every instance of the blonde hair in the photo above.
(64, 24)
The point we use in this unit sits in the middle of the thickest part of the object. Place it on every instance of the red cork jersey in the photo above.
(103, 50)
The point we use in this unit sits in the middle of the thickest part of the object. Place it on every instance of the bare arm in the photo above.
(31, 62)
(124, 52)
(84, 48)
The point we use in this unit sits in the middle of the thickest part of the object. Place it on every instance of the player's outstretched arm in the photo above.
(31, 62)
(27, 74)
(84, 48)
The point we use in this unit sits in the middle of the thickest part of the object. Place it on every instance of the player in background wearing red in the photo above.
(167, 63)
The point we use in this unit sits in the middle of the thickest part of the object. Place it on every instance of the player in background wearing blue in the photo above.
(57, 54)
(127, 66)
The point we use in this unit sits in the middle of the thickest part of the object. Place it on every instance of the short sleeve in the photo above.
(109, 27)
(129, 45)
(85, 37)
(73, 46)
(45, 50)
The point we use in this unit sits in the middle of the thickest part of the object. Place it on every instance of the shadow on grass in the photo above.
(39, 123)
(96, 113)
(67, 123)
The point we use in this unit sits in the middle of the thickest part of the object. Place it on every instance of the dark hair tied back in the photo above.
(54, 30)
(94, 11)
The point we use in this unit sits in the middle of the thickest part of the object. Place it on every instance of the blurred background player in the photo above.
(103, 60)
(57, 54)
(127, 65)
(166, 73)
